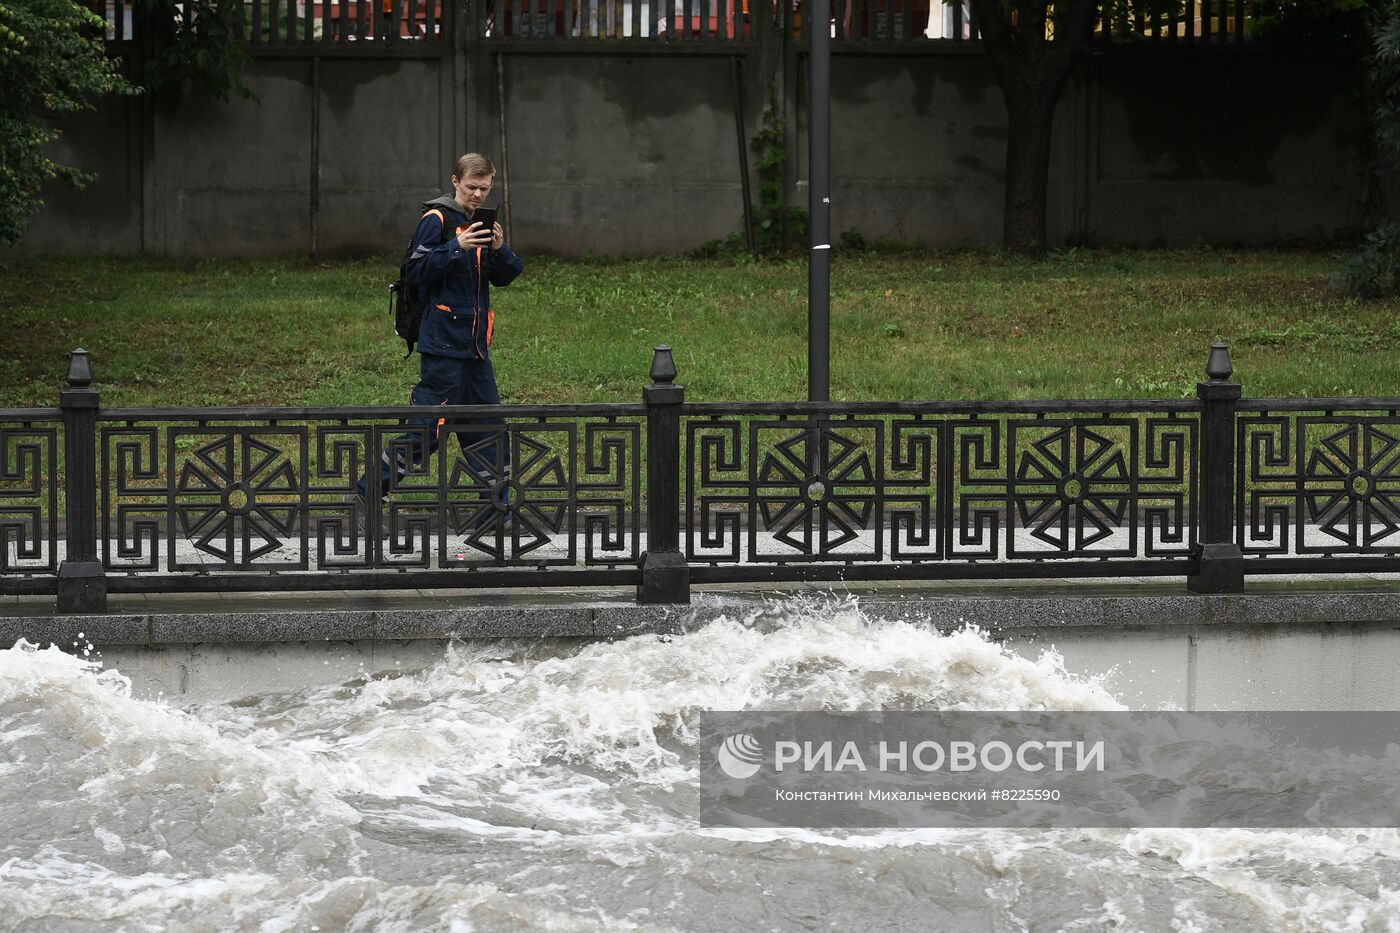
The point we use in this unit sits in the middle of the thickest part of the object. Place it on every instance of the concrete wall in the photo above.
(1331, 666)
(1152, 648)
(612, 152)
(614, 155)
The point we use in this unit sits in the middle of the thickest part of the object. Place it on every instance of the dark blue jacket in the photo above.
(458, 320)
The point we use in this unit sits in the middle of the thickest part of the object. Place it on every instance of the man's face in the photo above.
(472, 190)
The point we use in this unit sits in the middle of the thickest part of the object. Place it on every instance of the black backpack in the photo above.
(407, 303)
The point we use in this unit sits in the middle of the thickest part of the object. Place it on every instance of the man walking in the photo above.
(456, 260)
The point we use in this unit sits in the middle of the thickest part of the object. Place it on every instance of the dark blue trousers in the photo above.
(444, 380)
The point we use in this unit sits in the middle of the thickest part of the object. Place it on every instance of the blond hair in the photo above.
(474, 163)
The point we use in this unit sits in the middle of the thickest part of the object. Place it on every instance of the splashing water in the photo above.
(552, 786)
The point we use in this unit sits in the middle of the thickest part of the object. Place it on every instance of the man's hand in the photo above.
(498, 236)
(476, 235)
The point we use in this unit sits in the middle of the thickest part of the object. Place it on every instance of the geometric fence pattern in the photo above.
(516, 495)
(29, 499)
(276, 496)
(1318, 483)
(916, 488)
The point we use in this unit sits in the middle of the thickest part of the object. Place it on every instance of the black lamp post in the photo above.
(818, 21)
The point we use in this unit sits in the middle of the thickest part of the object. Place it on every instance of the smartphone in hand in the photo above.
(486, 216)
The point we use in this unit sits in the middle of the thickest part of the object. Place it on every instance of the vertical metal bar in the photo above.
(906, 19)
(1205, 19)
(326, 20)
(255, 30)
(290, 36)
(82, 581)
(637, 19)
(943, 489)
(1220, 564)
(689, 10)
(665, 574)
(958, 20)
(819, 184)
(410, 23)
(1239, 20)
(1189, 14)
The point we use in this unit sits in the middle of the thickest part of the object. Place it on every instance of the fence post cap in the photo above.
(79, 369)
(1218, 366)
(663, 365)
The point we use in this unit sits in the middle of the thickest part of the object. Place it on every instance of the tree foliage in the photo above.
(195, 46)
(52, 63)
(1384, 76)
(1375, 270)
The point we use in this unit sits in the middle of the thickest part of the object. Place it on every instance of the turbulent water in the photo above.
(517, 787)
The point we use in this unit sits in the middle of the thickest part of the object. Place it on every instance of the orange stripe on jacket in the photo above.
(476, 319)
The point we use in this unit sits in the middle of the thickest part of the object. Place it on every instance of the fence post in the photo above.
(665, 574)
(1219, 561)
(82, 583)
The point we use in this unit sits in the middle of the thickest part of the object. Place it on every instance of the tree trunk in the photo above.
(1030, 112)
(1031, 70)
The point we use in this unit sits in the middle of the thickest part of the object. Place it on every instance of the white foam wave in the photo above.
(508, 786)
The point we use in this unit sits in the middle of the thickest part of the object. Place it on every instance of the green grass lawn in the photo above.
(1125, 324)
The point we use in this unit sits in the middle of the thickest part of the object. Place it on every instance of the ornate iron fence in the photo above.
(889, 491)
(1318, 483)
(665, 493)
(29, 501)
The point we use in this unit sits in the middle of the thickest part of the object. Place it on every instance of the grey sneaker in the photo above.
(357, 511)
